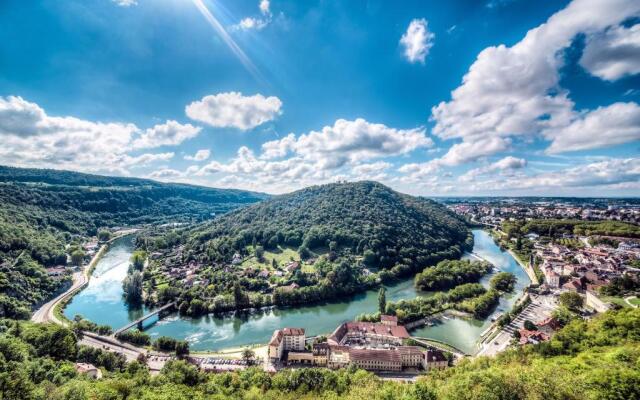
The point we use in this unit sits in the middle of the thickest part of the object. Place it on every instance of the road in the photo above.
(46, 312)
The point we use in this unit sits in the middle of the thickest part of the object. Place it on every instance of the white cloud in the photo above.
(514, 91)
(257, 23)
(125, 3)
(609, 172)
(32, 138)
(265, 7)
(417, 40)
(614, 53)
(507, 164)
(165, 174)
(144, 159)
(348, 142)
(200, 155)
(466, 151)
(170, 133)
(251, 23)
(233, 110)
(603, 127)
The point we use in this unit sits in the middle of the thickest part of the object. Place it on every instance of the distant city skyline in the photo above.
(464, 98)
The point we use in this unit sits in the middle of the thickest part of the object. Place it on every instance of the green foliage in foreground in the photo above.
(592, 360)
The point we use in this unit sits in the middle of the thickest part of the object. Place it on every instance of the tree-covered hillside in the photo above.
(594, 360)
(41, 211)
(367, 219)
(316, 244)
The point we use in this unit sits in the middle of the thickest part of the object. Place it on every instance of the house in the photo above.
(548, 326)
(533, 337)
(435, 359)
(320, 354)
(285, 340)
(292, 266)
(89, 370)
(551, 277)
(573, 285)
(237, 259)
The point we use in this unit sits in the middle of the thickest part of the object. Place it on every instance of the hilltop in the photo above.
(309, 245)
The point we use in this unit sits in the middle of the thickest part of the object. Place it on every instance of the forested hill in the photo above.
(80, 203)
(365, 218)
(41, 211)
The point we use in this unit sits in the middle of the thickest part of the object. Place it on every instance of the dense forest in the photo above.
(387, 228)
(596, 359)
(449, 273)
(350, 237)
(41, 211)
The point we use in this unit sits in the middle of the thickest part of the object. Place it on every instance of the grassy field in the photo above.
(282, 255)
(615, 300)
(635, 301)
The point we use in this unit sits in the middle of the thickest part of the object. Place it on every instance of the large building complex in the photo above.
(372, 346)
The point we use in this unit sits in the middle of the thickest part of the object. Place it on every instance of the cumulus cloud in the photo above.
(507, 164)
(31, 137)
(466, 151)
(514, 91)
(348, 142)
(125, 3)
(608, 172)
(165, 174)
(417, 41)
(170, 133)
(614, 53)
(233, 110)
(603, 127)
(256, 23)
(200, 155)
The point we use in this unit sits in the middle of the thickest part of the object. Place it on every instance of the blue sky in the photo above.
(504, 97)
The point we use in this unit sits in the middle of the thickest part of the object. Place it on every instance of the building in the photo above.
(390, 320)
(435, 359)
(376, 359)
(88, 369)
(285, 340)
(300, 357)
(551, 278)
(320, 354)
(368, 334)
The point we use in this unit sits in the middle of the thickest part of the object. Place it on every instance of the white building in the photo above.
(285, 340)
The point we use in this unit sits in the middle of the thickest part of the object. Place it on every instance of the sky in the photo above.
(495, 97)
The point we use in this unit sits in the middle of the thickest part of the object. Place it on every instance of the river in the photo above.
(101, 301)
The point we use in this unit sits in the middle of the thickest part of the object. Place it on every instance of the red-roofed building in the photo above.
(368, 333)
(285, 340)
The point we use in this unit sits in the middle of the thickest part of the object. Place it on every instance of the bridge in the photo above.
(159, 312)
(440, 345)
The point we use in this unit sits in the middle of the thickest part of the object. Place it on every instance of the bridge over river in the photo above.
(159, 312)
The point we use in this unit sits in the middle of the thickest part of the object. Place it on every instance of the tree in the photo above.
(138, 258)
(503, 281)
(248, 355)
(572, 301)
(530, 326)
(259, 252)
(382, 300)
(77, 257)
(104, 235)
(182, 348)
(239, 296)
(369, 258)
(132, 286)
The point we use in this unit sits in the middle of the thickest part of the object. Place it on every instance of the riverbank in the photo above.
(530, 272)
